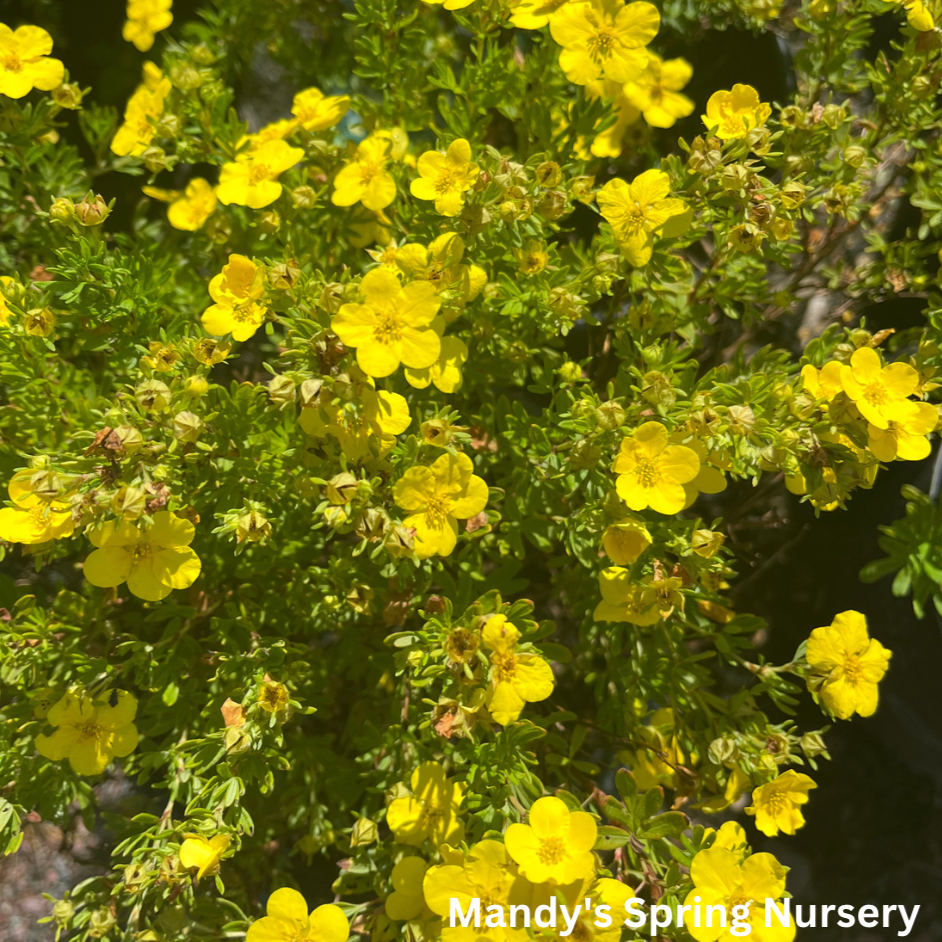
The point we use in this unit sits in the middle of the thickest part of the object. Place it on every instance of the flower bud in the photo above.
(93, 210)
(252, 527)
(129, 502)
(581, 189)
(855, 155)
(102, 921)
(269, 221)
(187, 427)
(552, 205)
(62, 210)
(400, 541)
(304, 197)
(68, 96)
(310, 390)
(153, 395)
(548, 174)
(128, 437)
(185, 77)
(610, 415)
(793, 194)
(812, 744)
(169, 125)
(570, 372)
(342, 488)
(364, 832)
(282, 390)
(585, 454)
(284, 275)
(155, 159)
(741, 420)
(721, 750)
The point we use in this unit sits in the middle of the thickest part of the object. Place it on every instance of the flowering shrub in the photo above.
(364, 466)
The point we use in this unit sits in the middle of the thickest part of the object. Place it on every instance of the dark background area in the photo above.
(874, 832)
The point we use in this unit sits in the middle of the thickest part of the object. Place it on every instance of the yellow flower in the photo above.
(847, 665)
(656, 92)
(450, 4)
(657, 764)
(431, 812)
(365, 178)
(367, 425)
(163, 357)
(436, 497)
(252, 180)
(90, 733)
(24, 62)
(824, 383)
(777, 804)
(638, 211)
(210, 352)
(516, 679)
(625, 540)
(197, 204)
(392, 326)
(143, 110)
(733, 114)
(145, 18)
(289, 921)
(732, 836)
(918, 14)
(202, 853)
(556, 843)
(652, 472)
(611, 141)
(878, 391)
(315, 112)
(445, 178)
(5, 312)
(440, 263)
(534, 14)
(273, 697)
(533, 259)
(445, 372)
(407, 900)
(153, 561)
(39, 322)
(721, 878)
(624, 600)
(41, 510)
(904, 438)
(484, 873)
(236, 291)
(604, 38)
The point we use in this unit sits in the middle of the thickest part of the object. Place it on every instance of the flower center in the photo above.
(446, 181)
(853, 671)
(142, 552)
(551, 850)
(648, 474)
(388, 328)
(12, 63)
(601, 45)
(634, 218)
(436, 511)
(369, 170)
(259, 173)
(88, 731)
(776, 802)
(875, 394)
(505, 665)
(247, 312)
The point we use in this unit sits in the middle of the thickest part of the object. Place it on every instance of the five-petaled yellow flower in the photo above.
(431, 811)
(436, 497)
(604, 39)
(878, 391)
(904, 438)
(516, 679)
(656, 92)
(153, 561)
(847, 665)
(393, 325)
(90, 733)
(198, 202)
(143, 110)
(289, 921)
(203, 853)
(236, 291)
(733, 114)
(652, 472)
(777, 804)
(624, 600)
(555, 845)
(252, 180)
(722, 878)
(41, 510)
(638, 211)
(365, 178)
(314, 111)
(445, 178)
(25, 62)
(145, 18)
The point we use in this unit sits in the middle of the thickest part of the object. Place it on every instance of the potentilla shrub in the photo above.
(363, 465)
